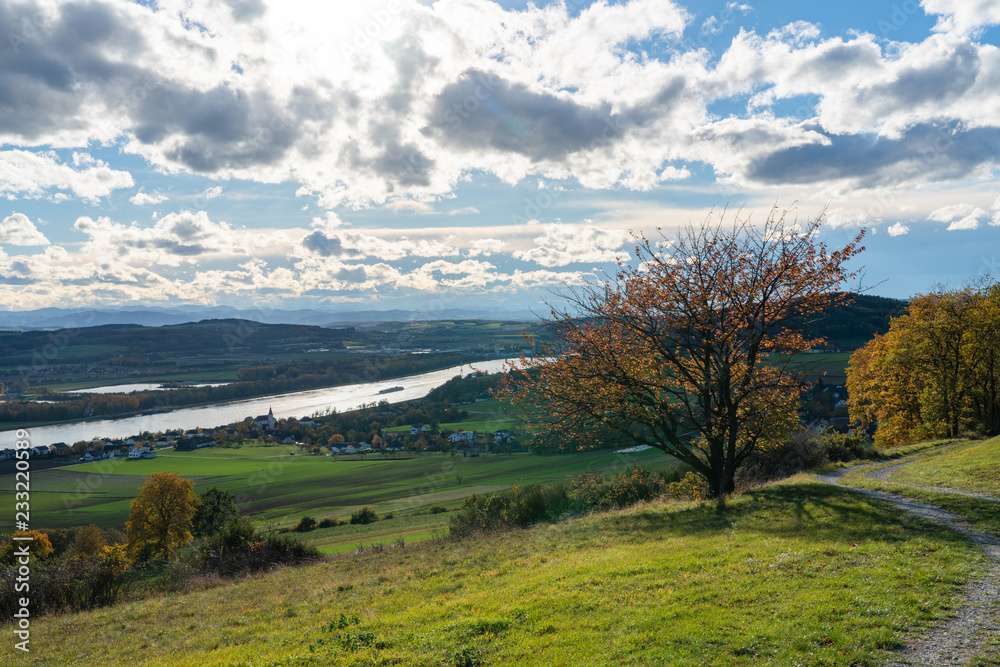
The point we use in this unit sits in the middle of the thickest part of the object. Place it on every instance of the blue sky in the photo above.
(392, 153)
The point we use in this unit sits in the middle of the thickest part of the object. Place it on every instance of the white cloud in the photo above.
(955, 211)
(963, 16)
(33, 175)
(346, 244)
(898, 229)
(961, 216)
(486, 247)
(561, 245)
(141, 198)
(212, 192)
(17, 229)
(174, 239)
(968, 222)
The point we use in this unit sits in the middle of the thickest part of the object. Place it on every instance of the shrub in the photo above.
(364, 515)
(237, 549)
(38, 546)
(690, 487)
(329, 521)
(438, 509)
(593, 491)
(70, 583)
(804, 449)
(305, 523)
(523, 506)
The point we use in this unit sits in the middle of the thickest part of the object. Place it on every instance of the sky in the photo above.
(392, 154)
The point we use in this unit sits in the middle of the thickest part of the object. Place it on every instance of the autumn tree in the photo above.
(39, 546)
(686, 349)
(88, 541)
(936, 372)
(160, 516)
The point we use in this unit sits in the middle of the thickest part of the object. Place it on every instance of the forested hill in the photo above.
(207, 337)
(853, 324)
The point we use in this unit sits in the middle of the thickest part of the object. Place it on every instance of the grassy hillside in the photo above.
(797, 573)
(973, 466)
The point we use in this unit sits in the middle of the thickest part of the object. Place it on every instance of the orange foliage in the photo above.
(671, 352)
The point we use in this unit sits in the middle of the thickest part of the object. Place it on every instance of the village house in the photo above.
(194, 442)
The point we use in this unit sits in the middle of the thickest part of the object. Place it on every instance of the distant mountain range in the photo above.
(72, 318)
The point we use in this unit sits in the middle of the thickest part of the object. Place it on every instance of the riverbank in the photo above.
(296, 404)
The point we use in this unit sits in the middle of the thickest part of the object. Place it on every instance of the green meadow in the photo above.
(484, 416)
(970, 466)
(277, 485)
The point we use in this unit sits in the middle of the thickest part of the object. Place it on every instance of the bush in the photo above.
(804, 449)
(364, 515)
(593, 491)
(70, 583)
(329, 521)
(237, 549)
(690, 487)
(305, 523)
(438, 509)
(523, 506)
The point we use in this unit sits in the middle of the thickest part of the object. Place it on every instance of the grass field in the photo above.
(276, 486)
(972, 466)
(831, 366)
(798, 573)
(485, 416)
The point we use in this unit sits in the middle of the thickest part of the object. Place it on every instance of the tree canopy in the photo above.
(674, 350)
(216, 509)
(936, 373)
(159, 519)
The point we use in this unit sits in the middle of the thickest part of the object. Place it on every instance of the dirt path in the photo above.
(958, 640)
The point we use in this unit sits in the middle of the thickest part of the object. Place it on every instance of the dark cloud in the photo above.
(47, 58)
(924, 152)
(178, 248)
(355, 274)
(482, 110)
(219, 128)
(323, 245)
(937, 82)
(396, 163)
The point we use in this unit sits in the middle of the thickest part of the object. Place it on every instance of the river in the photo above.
(298, 404)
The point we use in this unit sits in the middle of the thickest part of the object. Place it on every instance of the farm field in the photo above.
(276, 487)
(486, 416)
(831, 366)
(795, 573)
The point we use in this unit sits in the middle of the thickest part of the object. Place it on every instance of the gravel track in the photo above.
(958, 640)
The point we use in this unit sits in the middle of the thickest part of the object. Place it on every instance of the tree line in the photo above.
(936, 373)
(253, 382)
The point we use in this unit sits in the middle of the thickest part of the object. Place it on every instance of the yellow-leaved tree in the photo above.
(936, 372)
(159, 520)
